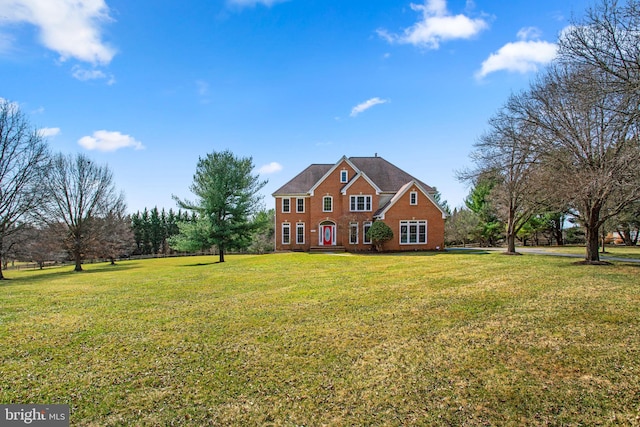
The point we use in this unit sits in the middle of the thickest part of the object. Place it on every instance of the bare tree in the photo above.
(627, 224)
(506, 153)
(81, 193)
(589, 144)
(41, 244)
(608, 38)
(24, 160)
(460, 226)
(115, 235)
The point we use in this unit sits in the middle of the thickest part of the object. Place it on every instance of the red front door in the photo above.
(327, 236)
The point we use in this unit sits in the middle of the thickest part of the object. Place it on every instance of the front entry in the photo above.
(327, 234)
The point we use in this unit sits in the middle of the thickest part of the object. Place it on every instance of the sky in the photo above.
(149, 87)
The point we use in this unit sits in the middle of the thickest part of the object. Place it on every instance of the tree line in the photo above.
(52, 203)
(57, 207)
(568, 146)
(157, 232)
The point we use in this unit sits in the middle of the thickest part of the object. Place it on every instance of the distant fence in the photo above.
(35, 266)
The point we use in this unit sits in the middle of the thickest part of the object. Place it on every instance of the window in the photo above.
(360, 203)
(365, 228)
(353, 233)
(300, 205)
(286, 234)
(344, 176)
(413, 232)
(413, 198)
(300, 233)
(286, 205)
(327, 204)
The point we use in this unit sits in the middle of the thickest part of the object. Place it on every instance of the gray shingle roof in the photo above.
(302, 183)
(388, 177)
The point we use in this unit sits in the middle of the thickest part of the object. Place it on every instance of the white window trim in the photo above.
(364, 232)
(323, 204)
(283, 199)
(344, 176)
(417, 223)
(413, 198)
(287, 226)
(298, 205)
(366, 197)
(299, 226)
(354, 226)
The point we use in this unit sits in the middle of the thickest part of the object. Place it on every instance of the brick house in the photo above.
(331, 206)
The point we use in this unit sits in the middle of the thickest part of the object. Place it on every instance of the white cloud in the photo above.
(47, 132)
(72, 28)
(252, 3)
(93, 74)
(103, 140)
(437, 25)
(272, 167)
(522, 56)
(366, 105)
(529, 33)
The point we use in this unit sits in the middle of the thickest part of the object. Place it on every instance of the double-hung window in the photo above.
(327, 204)
(286, 205)
(344, 176)
(300, 233)
(286, 234)
(360, 203)
(300, 205)
(353, 233)
(413, 232)
(365, 228)
(413, 198)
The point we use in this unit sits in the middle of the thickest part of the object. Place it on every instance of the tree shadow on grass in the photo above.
(201, 264)
(52, 273)
(448, 251)
(469, 251)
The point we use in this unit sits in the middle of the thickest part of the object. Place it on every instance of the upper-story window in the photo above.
(327, 204)
(344, 176)
(360, 203)
(300, 205)
(286, 205)
(413, 198)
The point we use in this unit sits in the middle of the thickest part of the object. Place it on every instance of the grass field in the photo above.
(296, 339)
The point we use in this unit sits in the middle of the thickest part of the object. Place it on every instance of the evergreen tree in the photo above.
(227, 197)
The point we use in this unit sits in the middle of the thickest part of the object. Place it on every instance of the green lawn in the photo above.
(296, 339)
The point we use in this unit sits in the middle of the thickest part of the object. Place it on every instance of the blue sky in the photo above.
(148, 87)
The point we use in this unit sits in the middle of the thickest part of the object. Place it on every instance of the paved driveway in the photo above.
(537, 251)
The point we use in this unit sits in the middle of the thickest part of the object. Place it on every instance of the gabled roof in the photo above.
(363, 176)
(380, 212)
(384, 175)
(343, 159)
